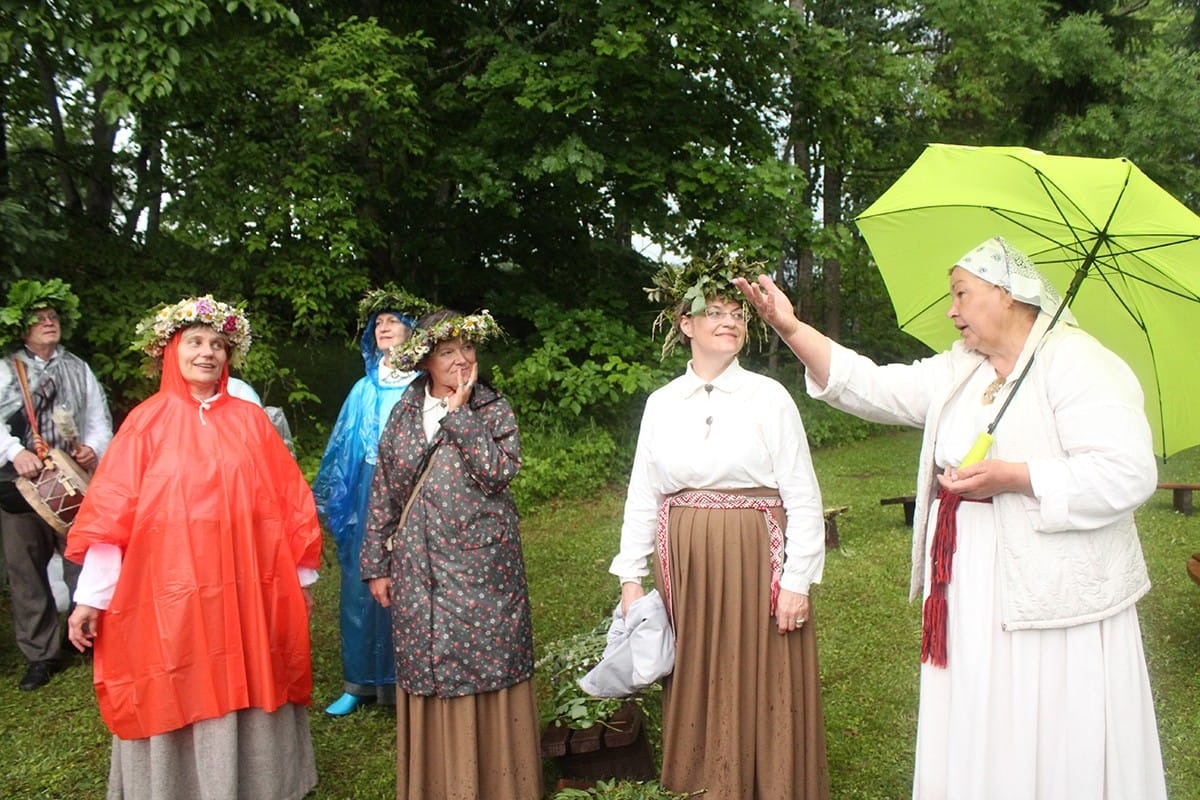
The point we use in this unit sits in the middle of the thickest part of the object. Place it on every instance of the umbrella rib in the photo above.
(1140, 323)
(1132, 260)
(939, 301)
(1046, 183)
(1136, 253)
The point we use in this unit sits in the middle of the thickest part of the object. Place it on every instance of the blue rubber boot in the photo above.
(346, 704)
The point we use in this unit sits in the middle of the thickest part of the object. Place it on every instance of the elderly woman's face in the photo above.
(390, 331)
(202, 355)
(979, 310)
(450, 363)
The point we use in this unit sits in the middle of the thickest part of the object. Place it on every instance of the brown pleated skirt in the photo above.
(742, 716)
(467, 748)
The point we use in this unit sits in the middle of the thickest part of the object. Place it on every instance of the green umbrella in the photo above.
(1123, 251)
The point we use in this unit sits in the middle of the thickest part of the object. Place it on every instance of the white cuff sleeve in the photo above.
(98, 578)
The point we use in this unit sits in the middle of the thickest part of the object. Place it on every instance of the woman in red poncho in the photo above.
(199, 538)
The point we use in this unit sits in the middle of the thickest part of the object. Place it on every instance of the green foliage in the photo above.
(828, 427)
(586, 364)
(561, 665)
(26, 297)
(307, 154)
(561, 462)
(623, 790)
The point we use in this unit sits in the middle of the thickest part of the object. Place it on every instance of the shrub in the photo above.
(623, 790)
(560, 668)
(828, 427)
(563, 462)
(585, 365)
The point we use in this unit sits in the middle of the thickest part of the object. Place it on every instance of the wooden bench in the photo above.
(615, 748)
(1182, 495)
(1194, 567)
(910, 506)
(831, 531)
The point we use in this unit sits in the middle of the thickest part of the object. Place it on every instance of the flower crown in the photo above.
(473, 328)
(693, 285)
(392, 298)
(154, 332)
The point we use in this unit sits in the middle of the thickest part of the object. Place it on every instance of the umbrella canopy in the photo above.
(1123, 251)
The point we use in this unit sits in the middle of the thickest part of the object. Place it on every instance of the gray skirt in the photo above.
(245, 754)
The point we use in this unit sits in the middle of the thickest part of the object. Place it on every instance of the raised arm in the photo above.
(773, 306)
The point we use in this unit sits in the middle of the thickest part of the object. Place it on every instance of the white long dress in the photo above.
(1057, 714)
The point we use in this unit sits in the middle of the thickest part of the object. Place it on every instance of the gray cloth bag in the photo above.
(640, 650)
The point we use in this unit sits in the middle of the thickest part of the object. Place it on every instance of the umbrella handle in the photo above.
(978, 450)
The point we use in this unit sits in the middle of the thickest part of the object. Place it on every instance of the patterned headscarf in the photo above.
(1000, 264)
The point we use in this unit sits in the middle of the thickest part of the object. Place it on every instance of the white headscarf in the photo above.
(1000, 264)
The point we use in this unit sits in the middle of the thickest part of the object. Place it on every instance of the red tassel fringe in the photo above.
(941, 557)
(933, 630)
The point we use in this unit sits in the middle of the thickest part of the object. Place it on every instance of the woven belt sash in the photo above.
(702, 498)
(941, 564)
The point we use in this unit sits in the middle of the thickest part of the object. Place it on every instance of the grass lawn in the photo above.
(53, 744)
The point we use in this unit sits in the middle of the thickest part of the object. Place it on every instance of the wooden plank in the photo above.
(831, 530)
(1181, 496)
(910, 506)
(554, 740)
(623, 726)
(588, 740)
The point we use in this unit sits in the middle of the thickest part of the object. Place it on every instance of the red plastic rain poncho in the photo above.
(213, 517)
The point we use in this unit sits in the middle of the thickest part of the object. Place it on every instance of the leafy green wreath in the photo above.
(693, 285)
(27, 297)
(392, 298)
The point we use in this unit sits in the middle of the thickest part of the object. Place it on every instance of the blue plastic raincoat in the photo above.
(342, 489)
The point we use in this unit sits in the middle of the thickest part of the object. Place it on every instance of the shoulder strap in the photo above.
(390, 542)
(39, 444)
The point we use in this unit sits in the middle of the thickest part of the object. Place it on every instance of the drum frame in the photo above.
(61, 479)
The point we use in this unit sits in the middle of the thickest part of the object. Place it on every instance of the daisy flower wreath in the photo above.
(473, 328)
(154, 332)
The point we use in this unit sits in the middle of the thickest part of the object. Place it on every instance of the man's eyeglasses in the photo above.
(47, 316)
(718, 315)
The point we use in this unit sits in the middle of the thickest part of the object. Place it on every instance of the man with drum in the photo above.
(51, 407)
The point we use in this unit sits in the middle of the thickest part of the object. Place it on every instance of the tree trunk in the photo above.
(148, 180)
(101, 188)
(831, 266)
(58, 135)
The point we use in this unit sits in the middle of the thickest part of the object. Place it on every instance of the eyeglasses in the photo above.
(717, 315)
(47, 316)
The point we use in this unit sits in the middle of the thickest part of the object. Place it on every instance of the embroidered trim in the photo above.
(707, 499)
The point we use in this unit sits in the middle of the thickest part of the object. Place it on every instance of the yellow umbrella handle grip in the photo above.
(978, 450)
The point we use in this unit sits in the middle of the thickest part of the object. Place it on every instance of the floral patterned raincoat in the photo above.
(460, 605)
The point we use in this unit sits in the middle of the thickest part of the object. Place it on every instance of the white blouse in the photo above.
(739, 431)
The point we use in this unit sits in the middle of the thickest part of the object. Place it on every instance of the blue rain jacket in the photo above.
(342, 489)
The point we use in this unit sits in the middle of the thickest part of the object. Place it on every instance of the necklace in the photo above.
(993, 389)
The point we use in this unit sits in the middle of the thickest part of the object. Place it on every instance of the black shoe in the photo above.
(37, 676)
